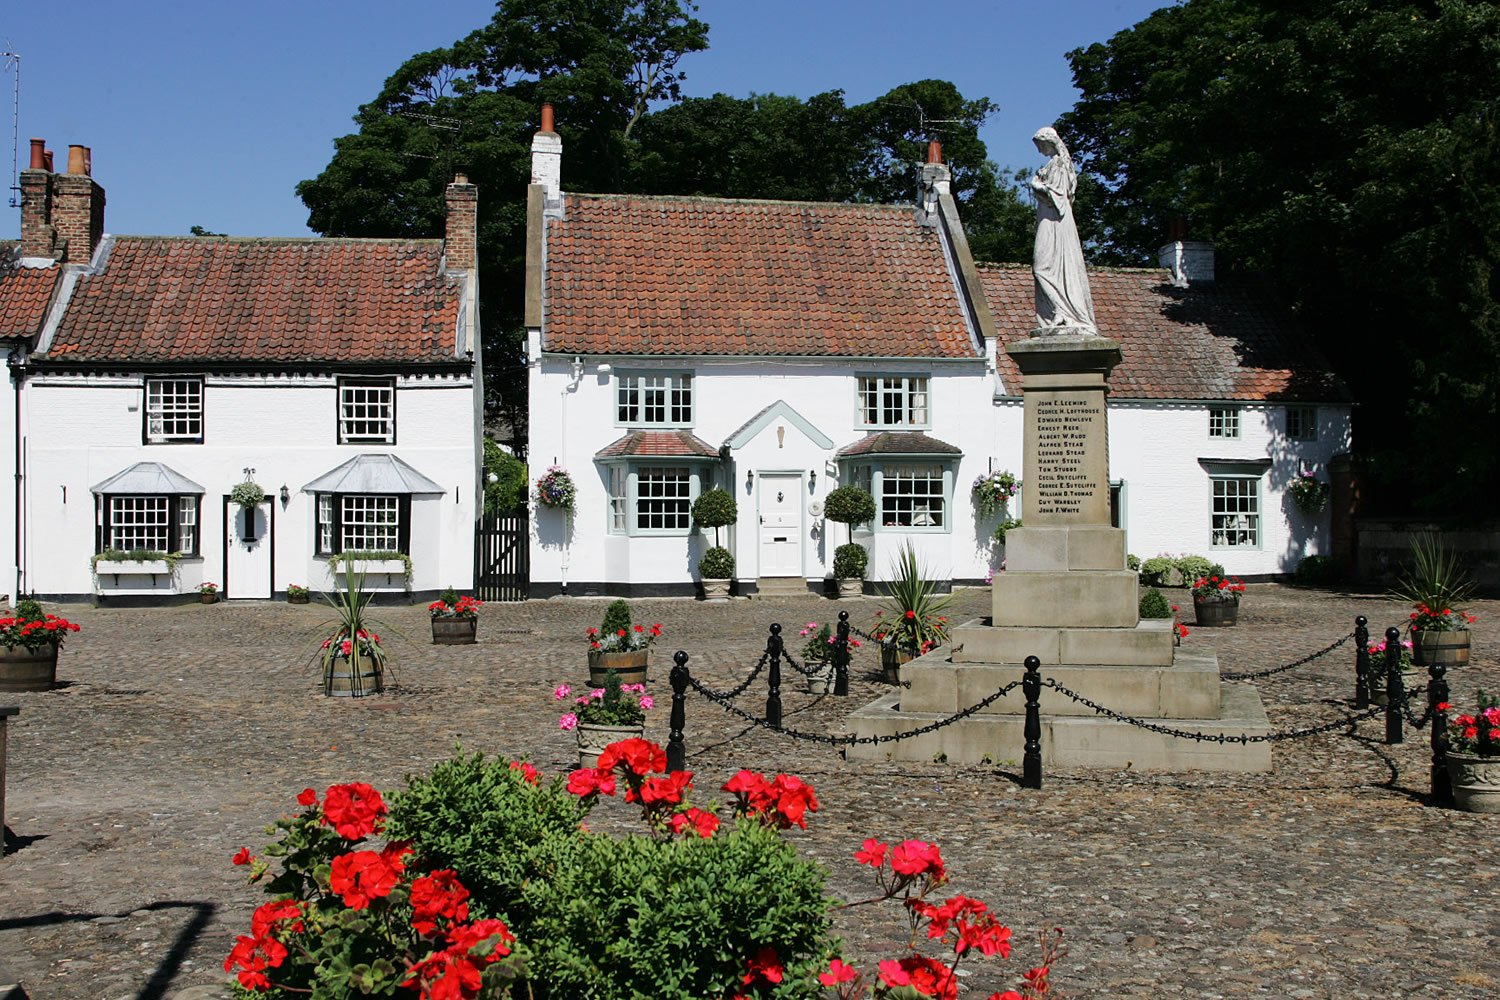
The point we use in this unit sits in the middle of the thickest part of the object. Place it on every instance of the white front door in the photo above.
(247, 551)
(780, 525)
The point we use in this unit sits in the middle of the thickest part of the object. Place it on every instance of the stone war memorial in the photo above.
(1066, 596)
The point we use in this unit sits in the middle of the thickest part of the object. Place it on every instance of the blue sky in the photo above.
(208, 113)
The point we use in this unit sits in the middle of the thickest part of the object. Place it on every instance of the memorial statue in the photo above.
(1063, 304)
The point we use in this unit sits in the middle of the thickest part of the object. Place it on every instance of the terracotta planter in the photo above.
(454, 631)
(208, 598)
(852, 587)
(1429, 648)
(296, 598)
(715, 590)
(631, 666)
(22, 669)
(592, 739)
(340, 680)
(891, 659)
(1475, 781)
(1216, 614)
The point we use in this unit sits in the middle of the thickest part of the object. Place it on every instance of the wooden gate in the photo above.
(502, 556)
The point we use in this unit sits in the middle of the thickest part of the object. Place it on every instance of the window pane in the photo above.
(618, 497)
(139, 522)
(911, 496)
(662, 499)
(1302, 423)
(370, 523)
(1236, 511)
(325, 522)
(892, 400)
(1224, 423)
(187, 525)
(654, 399)
(174, 410)
(367, 412)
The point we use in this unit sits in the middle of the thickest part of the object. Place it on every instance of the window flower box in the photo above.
(134, 567)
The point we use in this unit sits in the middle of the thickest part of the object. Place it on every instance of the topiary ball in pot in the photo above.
(715, 509)
(717, 564)
(849, 561)
(849, 505)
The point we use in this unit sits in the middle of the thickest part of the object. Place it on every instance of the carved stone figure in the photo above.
(1063, 303)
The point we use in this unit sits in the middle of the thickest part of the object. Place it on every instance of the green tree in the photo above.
(506, 481)
(1345, 152)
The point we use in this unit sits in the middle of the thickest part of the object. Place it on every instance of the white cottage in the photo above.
(340, 375)
(779, 349)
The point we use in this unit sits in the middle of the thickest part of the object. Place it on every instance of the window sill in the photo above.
(133, 567)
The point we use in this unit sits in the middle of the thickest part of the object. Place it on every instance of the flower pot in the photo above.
(820, 681)
(454, 631)
(852, 587)
(715, 590)
(296, 598)
(1376, 679)
(1429, 648)
(1475, 781)
(208, 598)
(891, 659)
(341, 681)
(593, 738)
(1216, 613)
(23, 669)
(631, 666)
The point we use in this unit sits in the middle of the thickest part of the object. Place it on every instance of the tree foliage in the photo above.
(1346, 152)
(612, 70)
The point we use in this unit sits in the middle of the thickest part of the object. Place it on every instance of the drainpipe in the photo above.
(17, 365)
(570, 389)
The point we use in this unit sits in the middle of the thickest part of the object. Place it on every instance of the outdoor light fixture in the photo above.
(812, 479)
(749, 479)
(286, 495)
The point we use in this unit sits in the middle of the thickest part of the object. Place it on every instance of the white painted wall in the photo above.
(571, 423)
(8, 488)
(83, 429)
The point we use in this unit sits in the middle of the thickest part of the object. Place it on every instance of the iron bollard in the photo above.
(1395, 692)
(1031, 761)
(676, 747)
(841, 657)
(1362, 662)
(1437, 703)
(773, 699)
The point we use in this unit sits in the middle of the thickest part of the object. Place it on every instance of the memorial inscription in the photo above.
(1068, 429)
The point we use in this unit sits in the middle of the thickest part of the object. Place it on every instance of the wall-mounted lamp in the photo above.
(286, 495)
(812, 479)
(749, 479)
(577, 369)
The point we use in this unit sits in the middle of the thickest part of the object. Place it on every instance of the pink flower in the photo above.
(562, 692)
(646, 702)
(568, 721)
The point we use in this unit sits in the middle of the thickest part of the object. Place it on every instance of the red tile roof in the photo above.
(179, 299)
(25, 293)
(629, 274)
(665, 444)
(899, 443)
(1208, 342)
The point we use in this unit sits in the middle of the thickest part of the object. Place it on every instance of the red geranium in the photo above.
(355, 810)
(362, 876)
(438, 896)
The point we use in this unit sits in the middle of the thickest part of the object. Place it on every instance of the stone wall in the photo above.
(1384, 547)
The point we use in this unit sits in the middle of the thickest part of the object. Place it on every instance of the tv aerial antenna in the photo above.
(11, 60)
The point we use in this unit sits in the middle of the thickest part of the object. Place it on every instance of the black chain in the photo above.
(1417, 723)
(804, 671)
(852, 740)
(731, 695)
(887, 641)
(1289, 734)
(1253, 675)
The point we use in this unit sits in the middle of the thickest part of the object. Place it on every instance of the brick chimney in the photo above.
(461, 236)
(1190, 261)
(62, 215)
(546, 159)
(935, 181)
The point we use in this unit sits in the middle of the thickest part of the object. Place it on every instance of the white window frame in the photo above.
(1224, 422)
(1302, 423)
(894, 503)
(872, 475)
(624, 481)
(362, 412)
(1230, 528)
(893, 401)
(654, 399)
(168, 517)
(175, 407)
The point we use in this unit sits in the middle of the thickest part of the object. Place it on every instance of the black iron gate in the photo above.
(502, 556)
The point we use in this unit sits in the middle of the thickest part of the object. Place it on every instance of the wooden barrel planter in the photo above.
(454, 631)
(1429, 648)
(891, 659)
(1216, 614)
(296, 598)
(631, 666)
(340, 680)
(593, 738)
(23, 669)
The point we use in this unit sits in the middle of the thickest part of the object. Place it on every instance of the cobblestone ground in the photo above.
(177, 733)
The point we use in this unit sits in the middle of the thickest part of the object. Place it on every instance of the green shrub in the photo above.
(1154, 605)
(616, 617)
(849, 505)
(1315, 571)
(1158, 571)
(1217, 569)
(482, 819)
(672, 920)
(29, 610)
(849, 561)
(717, 564)
(1194, 568)
(508, 489)
(1006, 523)
(1133, 563)
(449, 597)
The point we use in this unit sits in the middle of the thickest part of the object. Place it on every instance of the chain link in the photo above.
(888, 641)
(853, 740)
(804, 671)
(1254, 675)
(731, 695)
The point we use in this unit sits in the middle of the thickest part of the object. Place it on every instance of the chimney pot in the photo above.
(934, 152)
(48, 156)
(78, 160)
(38, 154)
(547, 120)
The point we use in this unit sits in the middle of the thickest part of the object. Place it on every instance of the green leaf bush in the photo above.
(850, 561)
(1195, 568)
(616, 617)
(1158, 571)
(717, 564)
(1155, 605)
(1316, 571)
(849, 505)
